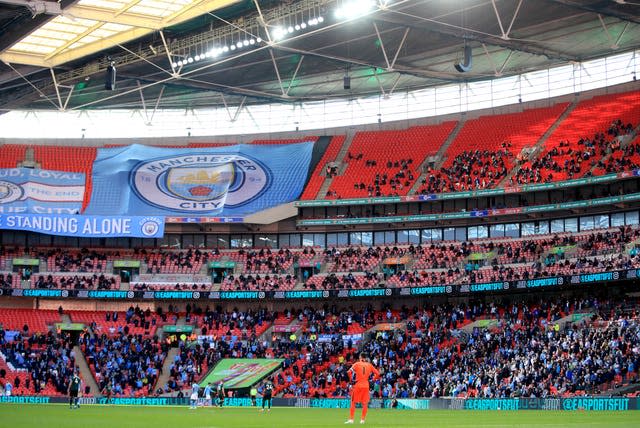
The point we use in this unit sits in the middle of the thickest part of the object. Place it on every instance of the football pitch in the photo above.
(94, 416)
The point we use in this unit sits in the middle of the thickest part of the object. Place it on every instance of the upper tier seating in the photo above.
(11, 155)
(385, 163)
(485, 149)
(584, 137)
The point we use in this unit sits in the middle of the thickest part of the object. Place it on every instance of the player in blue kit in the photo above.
(207, 394)
(195, 388)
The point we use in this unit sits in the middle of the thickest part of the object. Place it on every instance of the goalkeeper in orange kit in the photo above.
(362, 371)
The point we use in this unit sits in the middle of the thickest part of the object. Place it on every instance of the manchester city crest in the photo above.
(200, 183)
(9, 192)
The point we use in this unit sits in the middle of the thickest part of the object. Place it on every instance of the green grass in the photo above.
(50, 416)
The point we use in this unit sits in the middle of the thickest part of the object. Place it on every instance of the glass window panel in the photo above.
(601, 221)
(528, 228)
(343, 239)
(414, 236)
(512, 230)
(356, 238)
(461, 234)
(403, 237)
(389, 237)
(378, 238)
(170, 241)
(586, 223)
(187, 241)
(449, 234)
(617, 219)
(496, 230)
(631, 218)
(307, 240)
(267, 241)
(367, 238)
(557, 226)
(332, 239)
(571, 224)
(542, 228)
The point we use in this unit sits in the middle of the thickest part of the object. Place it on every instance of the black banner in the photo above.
(418, 290)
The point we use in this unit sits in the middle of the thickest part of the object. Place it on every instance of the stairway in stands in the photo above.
(339, 160)
(85, 372)
(536, 149)
(166, 368)
(439, 157)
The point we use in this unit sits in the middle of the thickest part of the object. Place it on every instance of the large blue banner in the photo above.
(221, 181)
(86, 226)
(26, 190)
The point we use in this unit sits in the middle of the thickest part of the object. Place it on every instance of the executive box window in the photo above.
(478, 232)
(290, 240)
(241, 241)
(313, 240)
(267, 241)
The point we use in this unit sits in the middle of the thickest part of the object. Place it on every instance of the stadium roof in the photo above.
(169, 53)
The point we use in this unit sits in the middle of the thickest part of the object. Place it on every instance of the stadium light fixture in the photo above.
(280, 32)
(216, 51)
(355, 8)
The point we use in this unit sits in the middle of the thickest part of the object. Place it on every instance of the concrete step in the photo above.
(341, 166)
(166, 372)
(85, 372)
(438, 159)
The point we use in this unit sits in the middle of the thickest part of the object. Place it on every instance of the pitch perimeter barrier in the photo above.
(493, 404)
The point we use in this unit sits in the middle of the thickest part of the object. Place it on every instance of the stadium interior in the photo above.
(451, 187)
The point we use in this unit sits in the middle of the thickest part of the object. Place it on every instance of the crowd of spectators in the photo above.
(188, 261)
(470, 170)
(77, 282)
(143, 286)
(76, 261)
(125, 364)
(343, 281)
(353, 258)
(422, 352)
(569, 160)
(525, 355)
(265, 260)
(46, 362)
(6, 280)
(625, 158)
(257, 282)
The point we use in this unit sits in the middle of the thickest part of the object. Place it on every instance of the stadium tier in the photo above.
(475, 350)
(392, 265)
